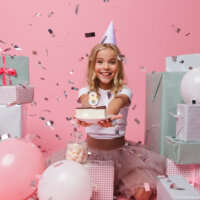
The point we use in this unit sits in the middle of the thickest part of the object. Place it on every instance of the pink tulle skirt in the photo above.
(134, 166)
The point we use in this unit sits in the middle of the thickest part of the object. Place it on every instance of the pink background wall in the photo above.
(146, 33)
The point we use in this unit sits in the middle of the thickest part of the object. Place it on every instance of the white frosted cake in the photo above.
(91, 112)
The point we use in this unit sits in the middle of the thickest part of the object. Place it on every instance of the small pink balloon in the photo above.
(20, 162)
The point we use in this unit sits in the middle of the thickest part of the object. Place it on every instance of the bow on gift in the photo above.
(9, 71)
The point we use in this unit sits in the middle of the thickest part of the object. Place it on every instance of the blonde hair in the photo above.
(118, 80)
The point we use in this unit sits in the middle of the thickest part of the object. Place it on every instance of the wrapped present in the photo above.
(162, 97)
(190, 172)
(188, 122)
(182, 63)
(11, 120)
(16, 94)
(102, 173)
(14, 70)
(176, 188)
(182, 152)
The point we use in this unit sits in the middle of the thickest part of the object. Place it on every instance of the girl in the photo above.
(136, 167)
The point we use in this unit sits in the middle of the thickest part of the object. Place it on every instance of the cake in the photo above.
(91, 112)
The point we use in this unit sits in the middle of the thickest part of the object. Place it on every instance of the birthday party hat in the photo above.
(109, 36)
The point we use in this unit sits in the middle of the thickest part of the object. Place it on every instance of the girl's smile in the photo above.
(106, 67)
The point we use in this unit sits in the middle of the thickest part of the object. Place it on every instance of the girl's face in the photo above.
(106, 67)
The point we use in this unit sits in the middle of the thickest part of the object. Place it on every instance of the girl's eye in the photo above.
(99, 61)
(112, 62)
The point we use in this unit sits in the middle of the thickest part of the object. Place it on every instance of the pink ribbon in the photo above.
(9, 71)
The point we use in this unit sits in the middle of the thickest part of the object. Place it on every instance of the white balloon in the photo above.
(190, 86)
(64, 180)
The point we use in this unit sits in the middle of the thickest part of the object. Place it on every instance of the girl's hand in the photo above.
(108, 122)
(82, 123)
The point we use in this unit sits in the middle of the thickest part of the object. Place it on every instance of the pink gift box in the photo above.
(102, 174)
(16, 94)
(190, 172)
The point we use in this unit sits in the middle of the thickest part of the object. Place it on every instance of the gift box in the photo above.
(16, 94)
(102, 174)
(14, 70)
(12, 120)
(190, 172)
(162, 97)
(188, 122)
(182, 63)
(182, 152)
(176, 188)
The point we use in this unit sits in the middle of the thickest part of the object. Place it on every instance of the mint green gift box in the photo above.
(182, 152)
(162, 97)
(18, 63)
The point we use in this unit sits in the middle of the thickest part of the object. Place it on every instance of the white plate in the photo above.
(92, 121)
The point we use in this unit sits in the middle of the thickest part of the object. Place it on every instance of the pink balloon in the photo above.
(20, 162)
(65, 180)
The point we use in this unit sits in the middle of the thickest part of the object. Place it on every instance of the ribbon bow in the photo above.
(9, 71)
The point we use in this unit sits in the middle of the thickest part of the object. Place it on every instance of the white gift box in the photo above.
(190, 172)
(176, 188)
(102, 174)
(188, 122)
(182, 63)
(11, 120)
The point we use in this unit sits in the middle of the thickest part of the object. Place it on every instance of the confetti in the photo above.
(46, 99)
(1, 41)
(47, 52)
(187, 34)
(65, 93)
(50, 14)
(174, 58)
(33, 184)
(74, 88)
(42, 78)
(137, 121)
(106, 0)
(34, 52)
(77, 9)
(57, 136)
(134, 107)
(91, 34)
(5, 136)
(81, 59)
(7, 49)
(17, 48)
(50, 124)
(34, 103)
(70, 82)
(71, 72)
(37, 15)
(46, 111)
(51, 32)
(176, 29)
(68, 118)
(181, 61)
(39, 62)
(142, 68)
(57, 84)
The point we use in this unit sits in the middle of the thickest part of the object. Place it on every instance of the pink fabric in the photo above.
(134, 166)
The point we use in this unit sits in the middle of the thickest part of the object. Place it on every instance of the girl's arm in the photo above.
(114, 108)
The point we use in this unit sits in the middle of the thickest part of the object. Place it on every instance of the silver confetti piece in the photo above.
(74, 88)
(68, 118)
(46, 99)
(142, 68)
(187, 34)
(51, 32)
(50, 14)
(17, 48)
(1, 41)
(137, 121)
(134, 107)
(65, 93)
(39, 62)
(71, 72)
(77, 9)
(34, 52)
(70, 82)
(5, 136)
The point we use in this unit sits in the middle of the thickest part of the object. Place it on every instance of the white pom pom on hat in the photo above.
(109, 36)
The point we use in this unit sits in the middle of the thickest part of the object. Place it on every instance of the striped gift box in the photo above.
(102, 174)
(16, 94)
(176, 188)
(190, 172)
